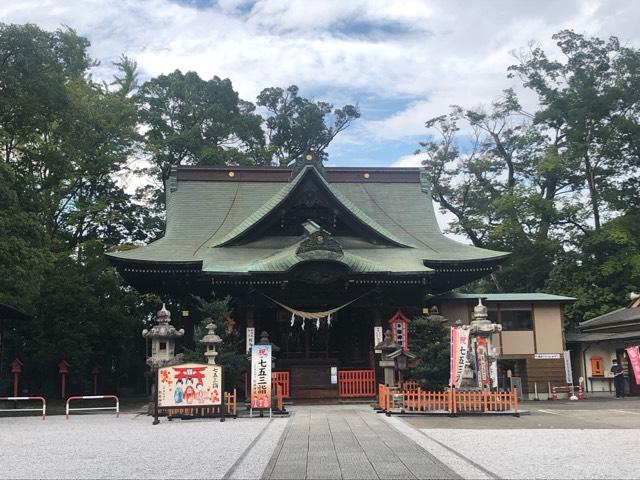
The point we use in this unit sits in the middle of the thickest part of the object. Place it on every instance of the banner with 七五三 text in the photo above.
(261, 377)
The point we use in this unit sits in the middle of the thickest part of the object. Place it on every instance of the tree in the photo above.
(219, 312)
(188, 120)
(502, 183)
(601, 271)
(430, 343)
(64, 140)
(296, 124)
(592, 100)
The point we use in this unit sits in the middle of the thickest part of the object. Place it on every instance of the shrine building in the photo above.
(316, 256)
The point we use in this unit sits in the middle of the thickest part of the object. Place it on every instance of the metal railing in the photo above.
(92, 397)
(40, 399)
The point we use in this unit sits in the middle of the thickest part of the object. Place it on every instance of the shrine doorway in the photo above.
(312, 355)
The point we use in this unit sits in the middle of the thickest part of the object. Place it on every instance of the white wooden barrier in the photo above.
(43, 409)
(93, 397)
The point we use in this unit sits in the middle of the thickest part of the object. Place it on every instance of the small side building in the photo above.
(531, 344)
(601, 339)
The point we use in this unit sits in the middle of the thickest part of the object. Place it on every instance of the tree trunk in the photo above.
(593, 191)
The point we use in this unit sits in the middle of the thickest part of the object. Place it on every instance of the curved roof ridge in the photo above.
(277, 199)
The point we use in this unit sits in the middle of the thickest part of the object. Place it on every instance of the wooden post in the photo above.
(154, 372)
(484, 399)
(16, 369)
(63, 369)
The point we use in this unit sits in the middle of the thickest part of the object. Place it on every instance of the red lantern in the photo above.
(399, 326)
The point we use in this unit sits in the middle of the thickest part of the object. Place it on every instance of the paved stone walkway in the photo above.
(350, 443)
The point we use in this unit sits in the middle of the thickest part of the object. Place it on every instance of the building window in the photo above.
(597, 366)
(163, 345)
(516, 320)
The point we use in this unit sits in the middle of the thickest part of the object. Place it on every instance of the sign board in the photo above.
(334, 375)
(251, 338)
(567, 367)
(261, 377)
(547, 356)
(190, 384)
(377, 337)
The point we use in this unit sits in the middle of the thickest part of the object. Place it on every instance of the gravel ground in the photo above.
(551, 453)
(102, 446)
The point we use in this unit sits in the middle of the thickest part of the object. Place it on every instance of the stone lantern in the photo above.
(388, 346)
(480, 333)
(210, 340)
(163, 340)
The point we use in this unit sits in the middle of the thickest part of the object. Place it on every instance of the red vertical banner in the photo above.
(454, 356)
(634, 359)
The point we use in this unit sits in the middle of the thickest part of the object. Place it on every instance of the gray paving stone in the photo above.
(350, 443)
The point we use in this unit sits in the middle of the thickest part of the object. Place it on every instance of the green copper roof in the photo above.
(274, 202)
(507, 297)
(204, 216)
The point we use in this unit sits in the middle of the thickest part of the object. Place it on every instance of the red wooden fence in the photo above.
(452, 401)
(356, 383)
(282, 379)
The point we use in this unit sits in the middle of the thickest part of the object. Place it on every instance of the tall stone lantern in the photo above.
(210, 340)
(480, 333)
(163, 340)
(388, 347)
(163, 346)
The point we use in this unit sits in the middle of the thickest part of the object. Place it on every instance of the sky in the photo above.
(401, 61)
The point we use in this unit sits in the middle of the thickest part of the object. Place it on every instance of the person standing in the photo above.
(618, 378)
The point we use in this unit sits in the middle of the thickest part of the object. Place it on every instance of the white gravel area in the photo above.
(102, 446)
(547, 453)
(454, 461)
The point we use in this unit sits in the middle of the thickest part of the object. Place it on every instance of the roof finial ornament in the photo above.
(308, 159)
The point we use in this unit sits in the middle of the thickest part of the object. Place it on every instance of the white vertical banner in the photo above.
(567, 367)
(493, 370)
(261, 377)
(251, 338)
(377, 337)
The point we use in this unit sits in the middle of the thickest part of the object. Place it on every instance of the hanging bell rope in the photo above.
(313, 315)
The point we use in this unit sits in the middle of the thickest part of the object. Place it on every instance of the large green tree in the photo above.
(65, 140)
(295, 124)
(191, 121)
(516, 181)
(591, 98)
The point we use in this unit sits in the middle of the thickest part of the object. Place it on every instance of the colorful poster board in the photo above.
(190, 385)
(634, 359)
(261, 377)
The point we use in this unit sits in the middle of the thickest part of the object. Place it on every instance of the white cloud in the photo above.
(408, 161)
(437, 53)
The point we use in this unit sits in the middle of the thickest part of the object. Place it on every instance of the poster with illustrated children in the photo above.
(190, 385)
